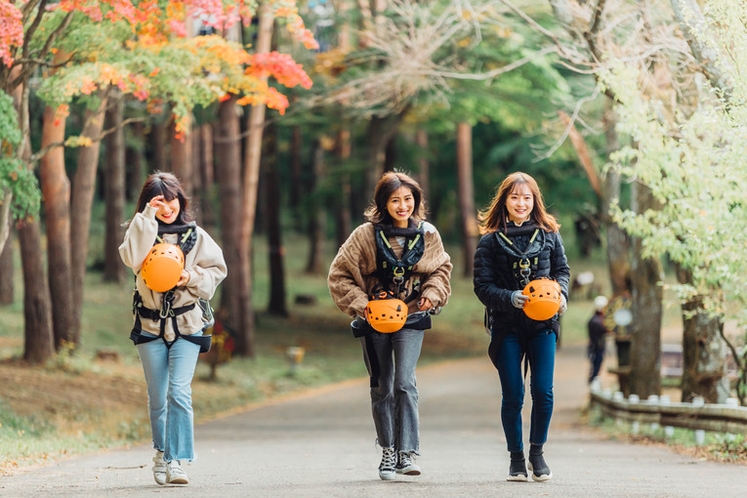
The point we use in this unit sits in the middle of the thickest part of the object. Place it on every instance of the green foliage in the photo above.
(15, 178)
(685, 143)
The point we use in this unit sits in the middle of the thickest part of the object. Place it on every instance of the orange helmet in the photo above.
(386, 315)
(163, 267)
(544, 299)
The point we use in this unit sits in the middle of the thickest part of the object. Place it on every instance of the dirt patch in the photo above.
(28, 389)
(104, 404)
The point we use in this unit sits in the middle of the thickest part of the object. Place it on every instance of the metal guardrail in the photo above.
(728, 418)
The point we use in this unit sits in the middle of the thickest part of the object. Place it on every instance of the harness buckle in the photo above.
(166, 310)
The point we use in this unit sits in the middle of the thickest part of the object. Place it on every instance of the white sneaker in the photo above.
(388, 463)
(406, 466)
(175, 474)
(159, 468)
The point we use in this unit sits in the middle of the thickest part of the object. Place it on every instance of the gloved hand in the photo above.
(563, 305)
(518, 299)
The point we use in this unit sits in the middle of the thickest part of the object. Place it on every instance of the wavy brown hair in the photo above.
(167, 185)
(494, 217)
(377, 213)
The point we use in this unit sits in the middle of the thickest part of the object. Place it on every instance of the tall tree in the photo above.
(83, 191)
(114, 186)
(245, 339)
(55, 187)
(466, 196)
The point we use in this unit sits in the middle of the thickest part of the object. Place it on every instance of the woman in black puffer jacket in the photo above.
(520, 243)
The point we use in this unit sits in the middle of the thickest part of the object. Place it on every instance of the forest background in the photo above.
(280, 116)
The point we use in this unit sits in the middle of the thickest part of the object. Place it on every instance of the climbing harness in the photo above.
(525, 262)
(168, 311)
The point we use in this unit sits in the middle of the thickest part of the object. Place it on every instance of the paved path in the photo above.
(321, 444)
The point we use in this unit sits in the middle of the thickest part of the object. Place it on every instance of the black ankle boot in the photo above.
(518, 469)
(538, 466)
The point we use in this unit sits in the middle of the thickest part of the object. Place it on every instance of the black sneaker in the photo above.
(517, 472)
(388, 463)
(406, 466)
(538, 467)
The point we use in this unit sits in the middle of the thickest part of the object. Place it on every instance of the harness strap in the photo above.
(166, 313)
(393, 271)
(526, 261)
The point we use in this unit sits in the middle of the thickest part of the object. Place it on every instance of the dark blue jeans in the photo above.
(507, 358)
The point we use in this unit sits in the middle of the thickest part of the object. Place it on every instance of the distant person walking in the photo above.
(520, 243)
(597, 337)
(390, 275)
(175, 263)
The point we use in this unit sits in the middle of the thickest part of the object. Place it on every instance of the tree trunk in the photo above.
(343, 215)
(114, 269)
(181, 159)
(84, 187)
(296, 186)
(465, 193)
(204, 174)
(245, 339)
(228, 171)
(379, 133)
(618, 242)
(38, 333)
(157, 139)
(6, 269)
(277, 305)
(703, 351)
(38, 330)
(423, 176)
(55, 187)
(315, 261)
(134, 176)
(645, 346)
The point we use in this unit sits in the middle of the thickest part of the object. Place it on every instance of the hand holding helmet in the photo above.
(518, 299)
(544, 299)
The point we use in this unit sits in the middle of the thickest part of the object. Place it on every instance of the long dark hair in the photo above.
(377, 213)
(167, 185)
(493, 218)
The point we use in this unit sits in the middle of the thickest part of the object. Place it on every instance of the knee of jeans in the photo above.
(543, 396)
(512, 405)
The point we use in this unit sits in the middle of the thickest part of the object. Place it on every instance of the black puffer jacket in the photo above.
(494, 280)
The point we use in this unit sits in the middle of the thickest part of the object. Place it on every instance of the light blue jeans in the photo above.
(541, 355)
(168, 374)
(394, 392)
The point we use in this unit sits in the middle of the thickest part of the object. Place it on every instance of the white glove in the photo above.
(563, 305)
(518, 299)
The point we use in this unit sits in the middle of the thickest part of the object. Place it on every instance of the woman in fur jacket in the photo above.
(390, 275)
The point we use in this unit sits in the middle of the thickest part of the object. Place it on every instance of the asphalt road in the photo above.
(322, 444)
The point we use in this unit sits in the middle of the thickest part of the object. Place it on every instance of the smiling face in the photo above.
(400, 206)
(168, 211)
(520, 203)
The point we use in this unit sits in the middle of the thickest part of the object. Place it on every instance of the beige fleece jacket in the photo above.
(351, 275)
(204, 262)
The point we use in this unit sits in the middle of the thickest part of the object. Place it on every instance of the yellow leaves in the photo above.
(78, 141)
(330, 63)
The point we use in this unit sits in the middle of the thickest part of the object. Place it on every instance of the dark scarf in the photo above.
(187, 234)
